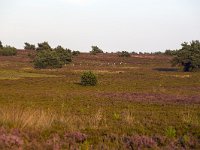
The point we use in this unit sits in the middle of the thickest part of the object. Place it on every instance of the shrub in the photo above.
(158, 53)
(88, 79)
(124, 54)
(134, 53)
(44, 46)
(170, 52)
(64, 55)
(8, 51)
(29, 46)
(75, 53)
(95, 50)
(188, 56)
(47, 59)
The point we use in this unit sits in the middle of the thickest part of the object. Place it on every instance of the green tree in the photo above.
(170, 52)
(75, 53)
(43, 46)
(96, 50)
(1, 46)
(47, 59)
(188, 56)
(64, 54)
(8, 51)
(124, 54)
(29, 46)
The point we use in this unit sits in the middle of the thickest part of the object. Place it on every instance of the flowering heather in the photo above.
(140, 142)
(76, 136)
(10, 140)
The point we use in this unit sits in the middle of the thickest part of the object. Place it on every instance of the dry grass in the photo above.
(14, 75)
(40, 119)
(101, 71)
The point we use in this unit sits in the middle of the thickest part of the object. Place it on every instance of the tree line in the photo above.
(188, 57)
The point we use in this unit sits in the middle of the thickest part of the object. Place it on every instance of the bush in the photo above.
(64, 55)
(29, 46)
(124, 54)
(134, 53)
(188, 56)
(8, 51)
(47, 59)
(95, 50)
(43, 46)
(157, 53)
(75, 53)
(88, 79)
(171, 52)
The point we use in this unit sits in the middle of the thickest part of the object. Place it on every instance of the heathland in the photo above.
(138, 102)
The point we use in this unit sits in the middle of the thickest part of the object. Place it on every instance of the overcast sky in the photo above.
(113, 25)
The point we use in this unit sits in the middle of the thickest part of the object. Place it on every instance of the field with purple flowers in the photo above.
(140, 102)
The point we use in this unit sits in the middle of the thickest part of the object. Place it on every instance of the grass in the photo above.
(133, 103)
(14, 75)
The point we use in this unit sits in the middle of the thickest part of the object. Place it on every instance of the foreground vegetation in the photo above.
(139, 102)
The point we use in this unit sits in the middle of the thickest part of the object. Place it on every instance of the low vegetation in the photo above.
(29, 46)
(7, 50)
(88, 79)
(75, 53)
(95, 50)
(124, 54)
(140, 102)
(171, 52)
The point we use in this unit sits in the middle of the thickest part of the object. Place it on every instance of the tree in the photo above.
(75, 53)
(8, 51)
(96, 50)
(64, 54)
(157, 53)
(47, 59)
(43, 46)
(124, 54)
(1, 46)
(188, 56)
(170, 52)
(29, 46)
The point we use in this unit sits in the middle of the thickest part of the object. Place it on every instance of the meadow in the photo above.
(140, 102)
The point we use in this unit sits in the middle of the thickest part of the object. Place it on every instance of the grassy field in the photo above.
(140, 102)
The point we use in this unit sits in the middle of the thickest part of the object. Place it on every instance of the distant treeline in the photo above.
(7, 50)
(47, 57)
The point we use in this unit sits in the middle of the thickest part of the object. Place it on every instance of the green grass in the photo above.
(14, 75)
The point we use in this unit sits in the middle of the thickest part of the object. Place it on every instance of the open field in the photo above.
(139, 102)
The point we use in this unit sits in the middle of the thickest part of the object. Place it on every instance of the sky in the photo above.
(112, 25)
